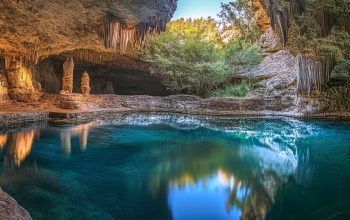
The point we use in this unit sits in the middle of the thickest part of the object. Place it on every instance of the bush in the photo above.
(239, 90)
(190, 58)
(187, 65)
(243, 56)
(342, 71)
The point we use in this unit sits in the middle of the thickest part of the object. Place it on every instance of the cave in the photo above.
(104, 79)
(174, 109)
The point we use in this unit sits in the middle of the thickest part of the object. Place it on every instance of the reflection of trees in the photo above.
(250, 188)
(80, 131)
(19, 145)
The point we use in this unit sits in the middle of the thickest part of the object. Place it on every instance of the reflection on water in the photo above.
(80, 131)
(172, 167)
(233, 183)
(18, 144)
(3, 140)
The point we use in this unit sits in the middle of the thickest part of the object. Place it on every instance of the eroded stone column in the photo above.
(20, 82)
(85, 84)
(67, 78)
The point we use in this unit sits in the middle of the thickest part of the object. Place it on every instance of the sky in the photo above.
(198, 8)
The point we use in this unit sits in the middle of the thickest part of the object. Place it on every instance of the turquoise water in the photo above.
(161, 167)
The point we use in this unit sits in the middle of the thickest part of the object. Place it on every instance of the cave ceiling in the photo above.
(35, 29)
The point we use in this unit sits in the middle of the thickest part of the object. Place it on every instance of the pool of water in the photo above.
(161, 167)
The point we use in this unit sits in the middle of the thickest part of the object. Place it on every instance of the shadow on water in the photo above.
(172, 167)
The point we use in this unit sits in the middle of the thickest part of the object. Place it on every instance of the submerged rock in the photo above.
(10, 209)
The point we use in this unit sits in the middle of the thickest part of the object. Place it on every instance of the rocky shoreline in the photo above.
(96, 106)
(106, 106)
(10, 209)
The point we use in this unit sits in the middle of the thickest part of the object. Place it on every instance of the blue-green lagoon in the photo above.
(164, 167)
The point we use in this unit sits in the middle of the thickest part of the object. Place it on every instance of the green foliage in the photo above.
(243, 56)
(239, 90)
(342, 71)
(320, 29)
(191, 59)
(187, 62)
(239, 14)
(205, 29)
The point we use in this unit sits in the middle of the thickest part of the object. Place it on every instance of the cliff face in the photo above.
(307, 28)
(40, 28)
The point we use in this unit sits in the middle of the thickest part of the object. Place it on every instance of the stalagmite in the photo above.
(85, 84)
(109, 88)
(67, 78)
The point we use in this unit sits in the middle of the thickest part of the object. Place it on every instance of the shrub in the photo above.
(243, 56)
(187, 64)
(190, 58)
(239, 90)
(342, 71)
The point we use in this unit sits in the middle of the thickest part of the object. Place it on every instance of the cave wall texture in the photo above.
(106, 32)
(315, 65)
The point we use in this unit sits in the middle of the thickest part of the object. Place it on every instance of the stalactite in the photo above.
(8, 60)
(127, 38)
(325, 20)
(347, 24)
(117, 35)
(313, 73)
(281, 15)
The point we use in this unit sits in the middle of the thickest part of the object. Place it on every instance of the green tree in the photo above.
(239, 14)
(191, 57)
(187, 57)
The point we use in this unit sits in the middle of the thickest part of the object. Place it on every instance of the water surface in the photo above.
(161, 167)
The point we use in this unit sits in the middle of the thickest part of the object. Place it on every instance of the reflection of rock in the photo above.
(85, 84)
(19, 147)
(66, 143)
(3, 140)
(10, 209)
(81, 131)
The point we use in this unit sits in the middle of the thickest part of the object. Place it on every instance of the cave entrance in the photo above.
(104, 79)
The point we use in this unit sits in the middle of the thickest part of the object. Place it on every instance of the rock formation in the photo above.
(3, 87)
(314, 67)
(67, 78)
(10, 209)
(20, 82)
(85, 84)
(43, 28)
(108, 88)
